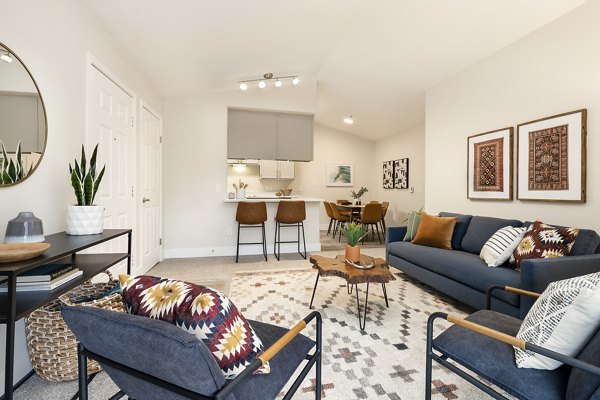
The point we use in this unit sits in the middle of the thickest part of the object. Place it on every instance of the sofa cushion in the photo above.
(200, 310)
(582, 385)
(494, 360)
(498, 249)
(563, 319)
(460, 266)
(462, 223)
(544, 241)
(481, 229)
(586, 243)
(435, 231)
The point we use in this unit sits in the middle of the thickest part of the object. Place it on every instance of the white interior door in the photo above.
(111, 125)
(150, 226)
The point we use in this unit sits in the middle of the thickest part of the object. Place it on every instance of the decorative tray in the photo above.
(11, 252)
(361, 265)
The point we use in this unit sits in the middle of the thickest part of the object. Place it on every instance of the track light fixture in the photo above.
(6, 57)
(267, 79)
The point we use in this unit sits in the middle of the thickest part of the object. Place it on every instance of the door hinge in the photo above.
(132, 122)
(131, 191)
(160, 242)
(160, 139)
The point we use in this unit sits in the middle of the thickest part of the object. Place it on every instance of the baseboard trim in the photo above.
(230, 250)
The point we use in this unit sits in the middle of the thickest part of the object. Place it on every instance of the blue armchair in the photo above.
(151, 359)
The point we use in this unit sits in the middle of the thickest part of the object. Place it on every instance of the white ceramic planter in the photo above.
(85, 220)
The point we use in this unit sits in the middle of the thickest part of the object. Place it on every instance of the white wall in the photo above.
(52, 39)
(195, 164)
(551, 71)
(408, 144)
(335, 146)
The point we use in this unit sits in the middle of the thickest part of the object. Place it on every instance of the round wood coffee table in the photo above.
(380, 273)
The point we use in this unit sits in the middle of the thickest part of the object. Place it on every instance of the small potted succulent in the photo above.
(358, 195)
(354, 233)
(85, 218)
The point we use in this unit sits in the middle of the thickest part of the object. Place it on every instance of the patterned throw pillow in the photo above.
(497, 250)
(412, 225)
(563, 319)
(199, 310)
(544, 241)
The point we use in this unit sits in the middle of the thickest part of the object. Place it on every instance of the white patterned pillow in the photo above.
(498, 249)
(563, 319)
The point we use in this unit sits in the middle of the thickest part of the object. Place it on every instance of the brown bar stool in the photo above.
(289, 214)
(252, 215)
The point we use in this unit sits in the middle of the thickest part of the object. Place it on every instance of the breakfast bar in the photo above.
(311, 225)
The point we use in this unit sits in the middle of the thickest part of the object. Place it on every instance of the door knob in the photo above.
(145, 200)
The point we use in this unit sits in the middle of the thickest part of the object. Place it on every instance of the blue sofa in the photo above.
(461, 274)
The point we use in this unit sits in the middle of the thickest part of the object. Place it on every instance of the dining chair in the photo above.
(384, 206)
(372, 216)
(329, 214)
(341, 219)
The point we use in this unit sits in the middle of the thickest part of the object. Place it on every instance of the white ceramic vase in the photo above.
(85, 220)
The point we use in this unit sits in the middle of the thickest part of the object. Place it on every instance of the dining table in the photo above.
(355, 209)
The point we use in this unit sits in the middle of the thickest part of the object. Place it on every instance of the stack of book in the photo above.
(46, 277)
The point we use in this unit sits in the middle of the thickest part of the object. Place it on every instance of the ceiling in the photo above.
(373, 59)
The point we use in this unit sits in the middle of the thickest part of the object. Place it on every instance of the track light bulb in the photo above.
(243, 86)
(278, 83)
(262, 84)
(6, 58)
(295, 81)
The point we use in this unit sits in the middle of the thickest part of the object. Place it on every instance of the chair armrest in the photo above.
(537, 274)
(513, 341)
(272, 351)
(510, 289)
(395, 234)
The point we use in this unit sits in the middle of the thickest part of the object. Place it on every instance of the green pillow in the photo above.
(412, 225)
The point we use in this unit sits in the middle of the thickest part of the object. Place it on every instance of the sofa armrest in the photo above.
(538, 273)
(395, 234)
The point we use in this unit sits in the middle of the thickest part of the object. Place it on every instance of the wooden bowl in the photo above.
(11, 252)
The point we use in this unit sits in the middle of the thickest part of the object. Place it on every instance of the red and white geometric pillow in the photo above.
(199, 310)
(544, 241)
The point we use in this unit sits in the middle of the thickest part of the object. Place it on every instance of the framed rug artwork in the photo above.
(551, 158)
(489, 165)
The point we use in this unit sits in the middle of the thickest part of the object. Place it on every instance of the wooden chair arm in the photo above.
(510, 289)
(494, 334)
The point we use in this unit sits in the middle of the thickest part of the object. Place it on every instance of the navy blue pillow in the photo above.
(462, 223)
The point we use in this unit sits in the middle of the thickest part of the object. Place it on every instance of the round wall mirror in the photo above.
(23, 127)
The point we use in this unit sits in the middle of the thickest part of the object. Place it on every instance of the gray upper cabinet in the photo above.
(294, 137)
(251, 134)
(268, 135)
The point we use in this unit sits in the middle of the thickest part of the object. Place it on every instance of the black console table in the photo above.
(63, 248)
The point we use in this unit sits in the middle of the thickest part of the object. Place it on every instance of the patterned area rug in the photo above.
(386, 361)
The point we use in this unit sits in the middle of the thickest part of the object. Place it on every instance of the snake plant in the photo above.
(85, 179)
(11, 170)
(354, 233)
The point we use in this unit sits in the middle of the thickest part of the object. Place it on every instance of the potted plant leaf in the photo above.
(354, 233)
(85, 218)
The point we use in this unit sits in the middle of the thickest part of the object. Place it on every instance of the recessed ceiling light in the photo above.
(262, 84)
(243, 86)
(6, 58)
(349, 120)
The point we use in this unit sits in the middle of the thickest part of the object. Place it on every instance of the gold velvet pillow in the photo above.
(435, 231)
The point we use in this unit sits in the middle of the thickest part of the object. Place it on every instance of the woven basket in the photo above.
(52, 346)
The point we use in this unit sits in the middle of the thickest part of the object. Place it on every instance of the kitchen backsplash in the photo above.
(250, 174)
